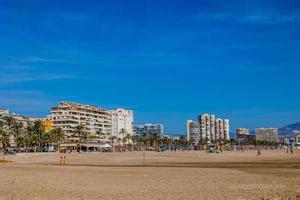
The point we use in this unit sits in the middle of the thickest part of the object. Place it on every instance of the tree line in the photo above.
(31, 137)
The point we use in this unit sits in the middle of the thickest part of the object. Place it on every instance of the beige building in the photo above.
(267, 134)
(207, 126)
(68, 115)
(25, 121)
(242, 131)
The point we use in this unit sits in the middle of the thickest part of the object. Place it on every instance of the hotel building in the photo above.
(122, 122)
(267, 134)
(68, 115)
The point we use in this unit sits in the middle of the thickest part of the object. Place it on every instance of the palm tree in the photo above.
(48, 137)
(113, 139)
(128, 137)
(155, 138)
(78, 131)
(9, 122)
(135, 140)
(182, 141)
(39, 131)
(18, 132)
(58, 136)
(4, 140)
(100, 133)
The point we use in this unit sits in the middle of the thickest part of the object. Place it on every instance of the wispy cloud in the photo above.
(23, 102)
(271, 16)
(16, 78)
(29, 59)
(214, 16)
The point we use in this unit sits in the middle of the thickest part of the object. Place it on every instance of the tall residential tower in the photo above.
(122, 122)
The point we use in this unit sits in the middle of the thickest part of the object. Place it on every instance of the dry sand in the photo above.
(175, 175)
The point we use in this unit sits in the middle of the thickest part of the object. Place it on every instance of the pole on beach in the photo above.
(144, 156)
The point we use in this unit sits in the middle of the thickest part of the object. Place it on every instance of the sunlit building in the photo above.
(207, 127)
(267, 134)
(148, 129)
(212, 129)
(68, 115)
(242, 131)
(122, 122)
(193, 131)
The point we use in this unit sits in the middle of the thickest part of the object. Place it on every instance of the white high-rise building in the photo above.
(193, 131)
(122, 122)
(212, 129)
(207, 127)
(188, 131)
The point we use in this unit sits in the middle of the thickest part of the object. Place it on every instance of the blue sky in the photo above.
(167, 60)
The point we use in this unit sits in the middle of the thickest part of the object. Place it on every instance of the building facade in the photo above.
(3, 113)
(122, 122)
(267, 134)
(193, 131)
(242, 131)
(68, 115)
(148, 129)
(207, 127)
(22, 120)
(212, 128)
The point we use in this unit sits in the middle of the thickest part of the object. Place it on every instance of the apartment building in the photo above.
(68, 115)
(148, 129)
(3, 113)
(193, 131)
(23, 120)
(242, 131)
(122, 122)
(208, 128)
(267, 134)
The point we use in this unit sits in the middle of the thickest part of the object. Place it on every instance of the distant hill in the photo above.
(290, 130)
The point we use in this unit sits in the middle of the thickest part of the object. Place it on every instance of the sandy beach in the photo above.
(165, 175)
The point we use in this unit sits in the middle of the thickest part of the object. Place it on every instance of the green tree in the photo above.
(58, 135)
(78, 132)
(18, 132)
(9, 122)
(4, 140)
(39, 131)
(155, 140)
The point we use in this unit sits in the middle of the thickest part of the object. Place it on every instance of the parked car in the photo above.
(10, 150)
(49, 149)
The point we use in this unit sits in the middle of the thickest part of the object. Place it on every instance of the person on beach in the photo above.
(258, 151)
(292, 149)
(63, 157)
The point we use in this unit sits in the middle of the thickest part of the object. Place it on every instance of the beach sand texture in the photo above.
(166, 175)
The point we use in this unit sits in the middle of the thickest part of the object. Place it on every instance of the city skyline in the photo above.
(167, 62)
